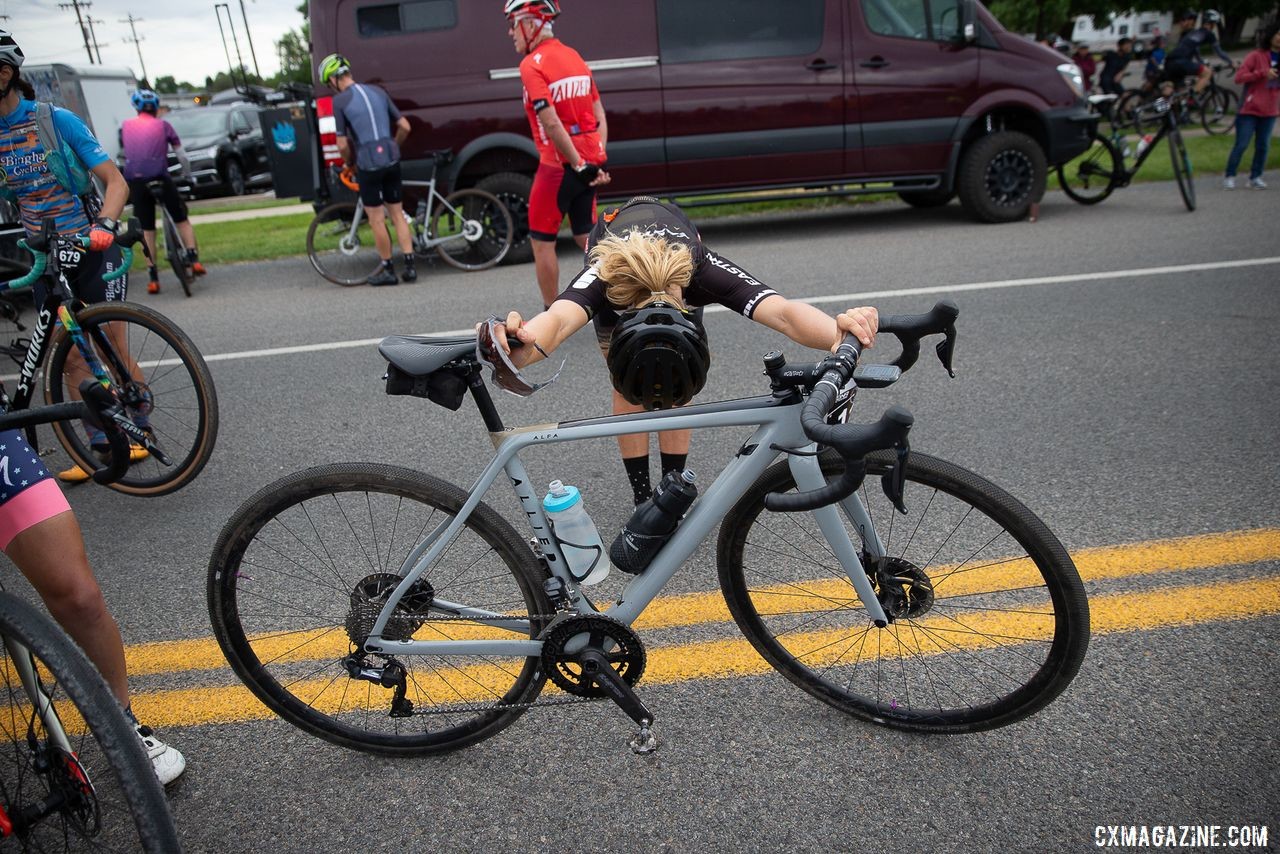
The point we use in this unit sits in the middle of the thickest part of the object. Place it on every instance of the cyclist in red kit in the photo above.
(569, 129)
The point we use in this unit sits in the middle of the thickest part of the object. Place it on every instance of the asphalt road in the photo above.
(1122, 394)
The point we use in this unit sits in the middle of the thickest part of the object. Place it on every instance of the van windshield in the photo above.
(197, 122)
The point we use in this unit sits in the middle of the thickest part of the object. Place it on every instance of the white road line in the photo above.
(846, 299)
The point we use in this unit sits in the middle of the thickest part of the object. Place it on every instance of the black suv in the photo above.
(226, 148)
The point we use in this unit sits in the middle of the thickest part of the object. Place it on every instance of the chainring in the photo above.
(370, 596)
(912, 593)
(616, 640)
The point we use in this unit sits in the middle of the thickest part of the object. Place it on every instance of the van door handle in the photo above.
(820, 65)
(875, 62)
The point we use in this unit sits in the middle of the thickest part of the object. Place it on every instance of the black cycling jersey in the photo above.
(1188, 49)
(715, 278)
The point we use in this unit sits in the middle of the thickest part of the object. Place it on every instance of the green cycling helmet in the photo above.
(333, 65)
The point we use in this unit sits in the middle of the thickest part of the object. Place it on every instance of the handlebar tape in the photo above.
(102, 410)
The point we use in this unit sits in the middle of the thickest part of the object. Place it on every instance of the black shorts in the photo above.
(1175, 70)
(380, 186)
(85, 276)
(144, 202)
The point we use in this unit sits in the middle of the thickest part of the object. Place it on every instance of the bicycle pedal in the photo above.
(643, 742)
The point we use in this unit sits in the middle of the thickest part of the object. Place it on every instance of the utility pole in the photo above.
(84, 33)
(90, 20)
(249, 36)
(136, 42)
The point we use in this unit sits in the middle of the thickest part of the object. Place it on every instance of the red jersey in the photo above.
(555, 75)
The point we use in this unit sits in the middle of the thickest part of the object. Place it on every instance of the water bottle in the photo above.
(580, 542)
(1144, 142)
(653, 522)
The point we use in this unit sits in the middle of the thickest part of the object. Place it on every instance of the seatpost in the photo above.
(480, 393)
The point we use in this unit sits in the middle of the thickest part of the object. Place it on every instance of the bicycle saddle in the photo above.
(419, 355)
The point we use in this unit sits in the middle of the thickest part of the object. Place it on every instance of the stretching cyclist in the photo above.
(38, 531)
(145, 141)
(646, 267)
(569, 130)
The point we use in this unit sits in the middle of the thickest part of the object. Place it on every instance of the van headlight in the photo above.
(1075, 80)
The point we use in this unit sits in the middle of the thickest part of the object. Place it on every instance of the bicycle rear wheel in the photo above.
(103, 794)
(476, 229)
(1092, 176)
(1218, 110)
(301, 571)
(177, 254)
(163, 381)
(1182, 168)
(991, 618)
(343, 255)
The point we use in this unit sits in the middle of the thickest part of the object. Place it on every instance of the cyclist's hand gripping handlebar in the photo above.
(104, 412)
(40, 247)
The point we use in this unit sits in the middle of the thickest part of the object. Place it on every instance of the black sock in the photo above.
(154, 273)
(408, 259)
(193, 255)
(638, 474)
(673, 462)
(386, 264)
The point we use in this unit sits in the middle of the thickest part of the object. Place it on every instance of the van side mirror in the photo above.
(968, 21)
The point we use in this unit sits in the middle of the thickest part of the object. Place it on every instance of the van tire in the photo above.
(513, 189)
(927, 198)
(1001, 174)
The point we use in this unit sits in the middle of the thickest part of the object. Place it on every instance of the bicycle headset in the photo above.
(658, 356)
(145, 100)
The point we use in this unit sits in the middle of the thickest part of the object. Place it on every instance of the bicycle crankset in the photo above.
(904, 590)
(370, 596)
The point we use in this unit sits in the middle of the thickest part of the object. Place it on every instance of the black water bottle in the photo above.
(653, 522)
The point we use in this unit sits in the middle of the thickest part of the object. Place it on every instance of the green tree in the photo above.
(294, 50)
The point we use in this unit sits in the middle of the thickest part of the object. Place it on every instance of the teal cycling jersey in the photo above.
(25, 172)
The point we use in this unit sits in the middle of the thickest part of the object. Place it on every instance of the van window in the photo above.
(755, 29)
(927, 20)
(412, 17)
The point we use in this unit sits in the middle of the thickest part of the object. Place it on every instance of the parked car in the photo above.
(931, 98)
(226, 148)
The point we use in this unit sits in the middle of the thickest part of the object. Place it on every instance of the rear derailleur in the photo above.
(392, 674)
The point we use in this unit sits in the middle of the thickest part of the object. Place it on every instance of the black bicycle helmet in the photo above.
(654, 219)
(658, 357)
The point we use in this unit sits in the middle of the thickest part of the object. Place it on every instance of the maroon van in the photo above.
(932, 99)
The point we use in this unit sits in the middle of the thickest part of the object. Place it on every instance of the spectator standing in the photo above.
(145, 141)
(1114, 63)
(570, 131)
(370, 131)
(1084, 61)
(1260, 76)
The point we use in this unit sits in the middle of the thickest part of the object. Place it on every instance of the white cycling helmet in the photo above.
(1211, 16)
(10, 53)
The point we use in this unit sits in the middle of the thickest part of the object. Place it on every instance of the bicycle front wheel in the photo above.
(990, 618)
(1092, 176)
(1182, 168)
(163, 382)
(475, 228)
(342, 254)
(301, 571)
(1218, 110)
(177, 254)
(101, 794)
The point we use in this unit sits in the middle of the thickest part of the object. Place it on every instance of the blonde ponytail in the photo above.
(639, 271)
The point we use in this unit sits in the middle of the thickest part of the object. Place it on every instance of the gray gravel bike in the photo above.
(386, 610)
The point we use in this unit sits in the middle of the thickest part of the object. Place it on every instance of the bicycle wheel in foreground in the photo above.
(476, 228)
(1092, 176)
(300, 573)
(1182, 168)
(177, 255)
(164, 383)
(992, 621)
(102, 794)
(342, 255)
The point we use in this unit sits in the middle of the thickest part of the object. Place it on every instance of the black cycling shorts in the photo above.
(85, 275)
(144, 201)
(1175, 69)
(380, 186)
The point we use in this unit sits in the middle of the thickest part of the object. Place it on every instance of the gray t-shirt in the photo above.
(365, 115)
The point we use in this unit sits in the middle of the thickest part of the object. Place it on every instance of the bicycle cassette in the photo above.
(564, 638)
(369, 597)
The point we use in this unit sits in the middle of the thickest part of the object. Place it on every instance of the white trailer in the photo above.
(1142, 27)
(95, 93)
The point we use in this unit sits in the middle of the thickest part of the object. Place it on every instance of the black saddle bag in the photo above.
(440, 387)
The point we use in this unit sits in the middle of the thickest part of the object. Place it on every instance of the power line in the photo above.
(78, 5)
(136, 42)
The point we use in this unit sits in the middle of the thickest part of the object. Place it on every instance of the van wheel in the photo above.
(927, 198)
(1001, 174)
(513, 189)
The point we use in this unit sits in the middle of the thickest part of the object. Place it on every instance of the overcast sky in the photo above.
(178, 37)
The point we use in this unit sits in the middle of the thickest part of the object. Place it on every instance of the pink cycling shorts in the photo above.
(28, 493)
